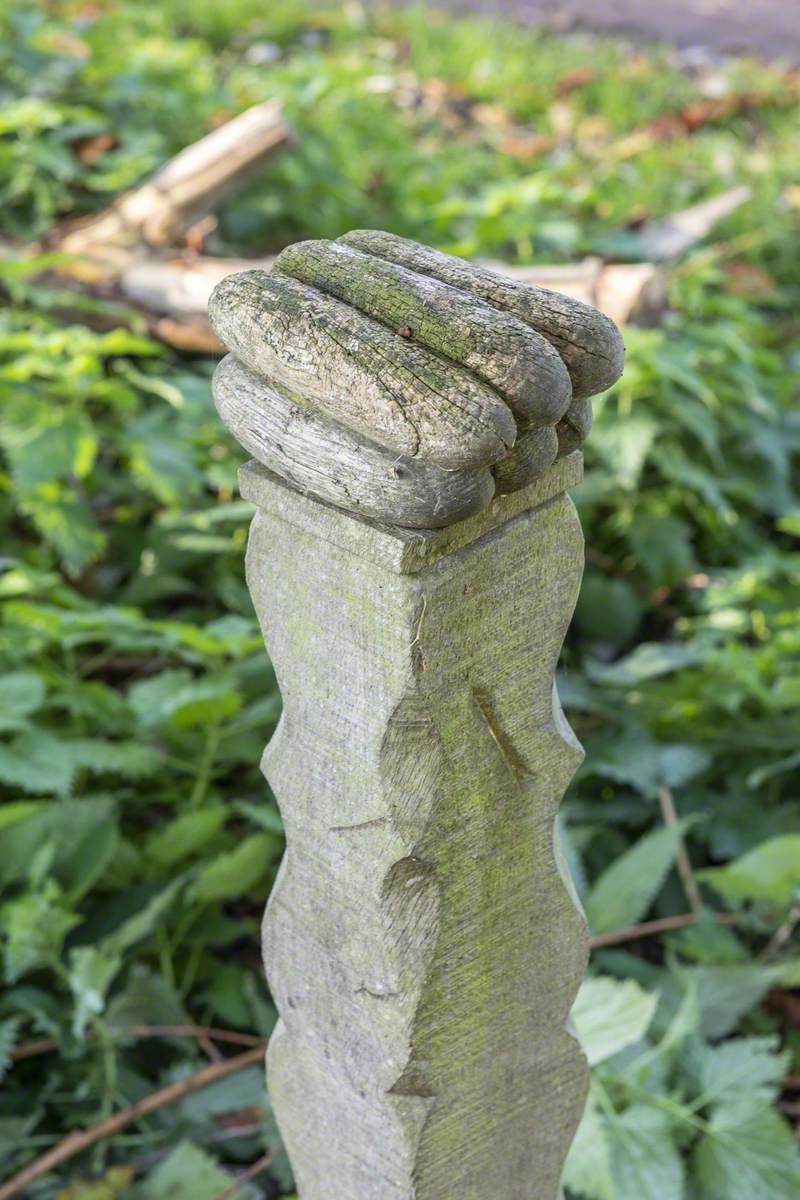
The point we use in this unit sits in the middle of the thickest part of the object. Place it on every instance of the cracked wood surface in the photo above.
(403, 384)
(336, 465)
(507, 354)
(589, 343)
(360, 374)
(422, 942)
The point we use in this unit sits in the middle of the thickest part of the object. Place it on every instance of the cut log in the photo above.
(187, 187)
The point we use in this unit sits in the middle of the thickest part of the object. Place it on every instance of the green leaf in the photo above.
(748, 1152)
(142, 923)
(624, 447)
(587, 1171)
(636, 759)
(177, 697)
(770, 873)
(21, 693)
(608, 610)
(188, 1173)
(650, 660)
(37, 762)
(661, 544)
(750, 1065)
(237, 872)
(625, 890)
(185, 835)
(609, 1015)
(646, 1163)
(92, 970)
(8, 1040)
(81, 835)
(147, 999)
(726, 993)
(34, 926)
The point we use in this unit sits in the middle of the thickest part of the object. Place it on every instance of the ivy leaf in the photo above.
(748, 1151)
(770, 873)
(609, 1015)
(625, 890)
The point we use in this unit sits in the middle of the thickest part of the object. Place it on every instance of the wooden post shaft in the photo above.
(423, 943)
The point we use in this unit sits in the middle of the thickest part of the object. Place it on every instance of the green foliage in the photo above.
(658, 1102)
(138, 841)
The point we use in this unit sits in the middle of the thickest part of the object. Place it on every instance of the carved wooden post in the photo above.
(423, 942)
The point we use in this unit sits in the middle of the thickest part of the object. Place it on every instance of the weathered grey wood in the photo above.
(574, 427)
(589, 343)
(533, 453)
(422, 941)
(354, 370)
(336, 465)
(503, 351)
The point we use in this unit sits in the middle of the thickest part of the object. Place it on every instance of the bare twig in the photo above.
(651, 928)
(201, 1033)
(252, 1171)
(81, 1139)
(682, 860)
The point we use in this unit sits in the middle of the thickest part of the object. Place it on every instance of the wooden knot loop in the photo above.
(401, 383)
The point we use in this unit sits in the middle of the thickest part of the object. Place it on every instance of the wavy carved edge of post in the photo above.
(415, 562)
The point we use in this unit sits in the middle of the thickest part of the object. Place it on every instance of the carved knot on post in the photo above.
(414, 562)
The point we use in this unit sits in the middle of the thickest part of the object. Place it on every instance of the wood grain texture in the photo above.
(533, 453)
(589, 343)
(422, 941)
(507, 354)
(357, 372)
(574, 427)
(330, 462)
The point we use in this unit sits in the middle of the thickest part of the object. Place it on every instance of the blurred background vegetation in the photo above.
(138, 841)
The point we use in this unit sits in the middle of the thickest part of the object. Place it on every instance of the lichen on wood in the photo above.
(357, 372)
(337, 465)
(533, 453)
(589, 343)
(503, 351)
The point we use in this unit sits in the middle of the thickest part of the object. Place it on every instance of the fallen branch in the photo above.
(691, 888)
(256, 1168)
(199, 1032)
(649, 929)
(186, 188)
(81, 1139)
